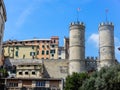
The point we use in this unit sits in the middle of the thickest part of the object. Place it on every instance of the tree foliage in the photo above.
(74, 81)
(3, 73)
(108, 78)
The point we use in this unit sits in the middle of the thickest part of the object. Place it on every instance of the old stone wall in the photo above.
(56, 68)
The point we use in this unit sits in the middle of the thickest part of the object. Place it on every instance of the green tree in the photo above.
(3, 73)
(75, 81)
(108, 78)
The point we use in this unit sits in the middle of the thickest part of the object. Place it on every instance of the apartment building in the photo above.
(32, 48)
(32, 84)
(36, 75)
(2, 25)
(20, 51)
(29, 70)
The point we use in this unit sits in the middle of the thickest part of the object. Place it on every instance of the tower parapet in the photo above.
(106, 23)
(77, 23)
(106, 44)
(88, 58)
(77, 47)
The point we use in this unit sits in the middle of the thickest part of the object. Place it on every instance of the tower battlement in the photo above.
(88, 58)
(106, 23)
(77, 23)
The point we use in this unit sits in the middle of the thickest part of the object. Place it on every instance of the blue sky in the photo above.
(28, 19)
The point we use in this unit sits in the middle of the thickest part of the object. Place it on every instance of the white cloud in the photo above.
(94, 38)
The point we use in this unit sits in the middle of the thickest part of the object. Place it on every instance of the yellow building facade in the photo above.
(20, 52)
(32, 49)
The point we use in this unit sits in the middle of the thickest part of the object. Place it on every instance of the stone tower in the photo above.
(106, 44)
(77, 47)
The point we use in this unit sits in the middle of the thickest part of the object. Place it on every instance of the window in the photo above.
(52, 51)
(26, 42)
(21, 42)
(26, 73)
(23, 56)
(32, 47)
(60, 58)
(43, 41)
(59, 52)
(53, 46)
(47, 52)
(43, 46)
(12, 84)
(37, 47)
(52, 55)
(47, 46)
(40, 83)
(32, 41)
(20, 73)
(21, 66)
(32, 53)
(16, 53)
(37, 52)
(48, 41)
(17, 47)
(33, 73)
(43, 52)
(38, 41)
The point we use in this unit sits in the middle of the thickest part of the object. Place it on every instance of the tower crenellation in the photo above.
(77, 23)
(77, 60)
(89, 58)
(106, 23)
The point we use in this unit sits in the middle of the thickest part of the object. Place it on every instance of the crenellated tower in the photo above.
(106, 44)
(77, 47)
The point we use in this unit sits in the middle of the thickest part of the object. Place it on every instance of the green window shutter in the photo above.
(43, 52)
(30, 53)
(47, 52)
(17, 47)
(16, 53)
(34, 53)
(32, 47)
